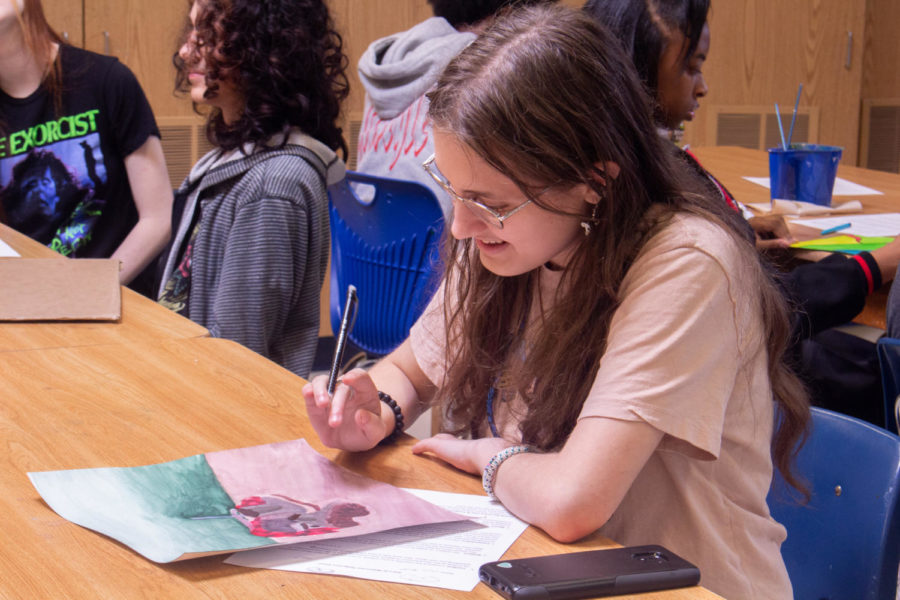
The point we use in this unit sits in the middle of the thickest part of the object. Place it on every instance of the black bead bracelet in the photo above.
(398, 418)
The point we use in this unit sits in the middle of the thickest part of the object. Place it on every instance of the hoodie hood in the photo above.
(334, 166)
(399, 69)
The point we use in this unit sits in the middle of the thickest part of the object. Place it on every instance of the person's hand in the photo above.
(771, 232)
(470, 456)
(349, 420)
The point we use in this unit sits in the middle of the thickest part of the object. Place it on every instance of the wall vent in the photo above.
(184, 142)
(880, 135)
(353, 138)
(756, 127)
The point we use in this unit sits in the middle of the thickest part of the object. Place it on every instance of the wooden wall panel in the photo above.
(65, 16)
(881, 74)
(144, 35)
(762, 49)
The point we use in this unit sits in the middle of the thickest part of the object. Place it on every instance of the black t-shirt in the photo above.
(62, 174)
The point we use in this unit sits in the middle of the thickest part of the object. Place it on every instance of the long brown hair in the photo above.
(543, 96)
(39, 39)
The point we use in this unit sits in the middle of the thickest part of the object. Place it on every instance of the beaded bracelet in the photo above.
(490, 470)
(398, 418)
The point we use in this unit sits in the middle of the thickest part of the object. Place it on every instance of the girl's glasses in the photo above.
(486, 214)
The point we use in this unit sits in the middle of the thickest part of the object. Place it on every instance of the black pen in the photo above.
(346, 325)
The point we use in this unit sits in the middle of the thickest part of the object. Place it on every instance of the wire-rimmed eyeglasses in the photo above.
(485, 213)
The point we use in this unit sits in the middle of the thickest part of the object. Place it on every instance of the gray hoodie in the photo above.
(397, 71)
(259, 256)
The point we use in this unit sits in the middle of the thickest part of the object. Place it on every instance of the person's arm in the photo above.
(354, 418)
(586, 488)
(258, 258)
(888, 259)
(673, 374)
(833, 291)
(149, 181)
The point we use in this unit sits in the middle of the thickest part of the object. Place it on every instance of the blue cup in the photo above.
(804, 172)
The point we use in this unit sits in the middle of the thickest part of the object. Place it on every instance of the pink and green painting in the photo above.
(218, 502)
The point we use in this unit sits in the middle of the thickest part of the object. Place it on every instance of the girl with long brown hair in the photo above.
(89, 114)
(606, 348)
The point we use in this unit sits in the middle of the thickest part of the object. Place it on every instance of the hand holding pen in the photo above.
(345, 416)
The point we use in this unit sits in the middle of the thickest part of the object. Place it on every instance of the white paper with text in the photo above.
(431, 555)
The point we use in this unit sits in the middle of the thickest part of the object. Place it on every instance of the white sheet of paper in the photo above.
(450, 561)
(5, 250)
(842, 187)
(878, 225)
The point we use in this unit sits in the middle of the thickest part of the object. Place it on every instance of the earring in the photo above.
(588, 225)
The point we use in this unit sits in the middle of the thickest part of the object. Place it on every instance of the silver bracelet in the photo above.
(490, 470)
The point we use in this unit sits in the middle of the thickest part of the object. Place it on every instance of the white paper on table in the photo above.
(875, 225)
(842, 187)
(5, 250)
(411, 555)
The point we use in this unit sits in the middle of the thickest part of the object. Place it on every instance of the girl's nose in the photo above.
(701, 88)
(464, 224)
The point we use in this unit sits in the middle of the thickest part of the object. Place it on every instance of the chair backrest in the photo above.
(385, 240)
(845, 543)
(889, 361)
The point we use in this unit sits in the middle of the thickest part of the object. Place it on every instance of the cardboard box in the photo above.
(60, 289)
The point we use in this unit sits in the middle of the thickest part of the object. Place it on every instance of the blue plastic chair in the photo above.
(385, 238)
(889, 362)
(845, 543)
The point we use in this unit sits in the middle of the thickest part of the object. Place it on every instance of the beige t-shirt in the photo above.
(685, 354)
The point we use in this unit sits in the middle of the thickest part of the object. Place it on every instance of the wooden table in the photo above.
(142, 319)
(730, 165)
(148, 402)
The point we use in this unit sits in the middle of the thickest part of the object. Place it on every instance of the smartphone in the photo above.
(589, 574)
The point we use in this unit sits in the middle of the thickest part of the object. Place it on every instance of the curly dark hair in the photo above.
(285, 58)
(469, 12)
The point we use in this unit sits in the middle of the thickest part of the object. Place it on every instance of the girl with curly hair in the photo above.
(606, 348)
(251, 243)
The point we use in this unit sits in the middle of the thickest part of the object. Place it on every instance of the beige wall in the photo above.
(761, 50)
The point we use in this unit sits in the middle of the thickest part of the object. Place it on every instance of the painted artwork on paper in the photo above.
(231, 500)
